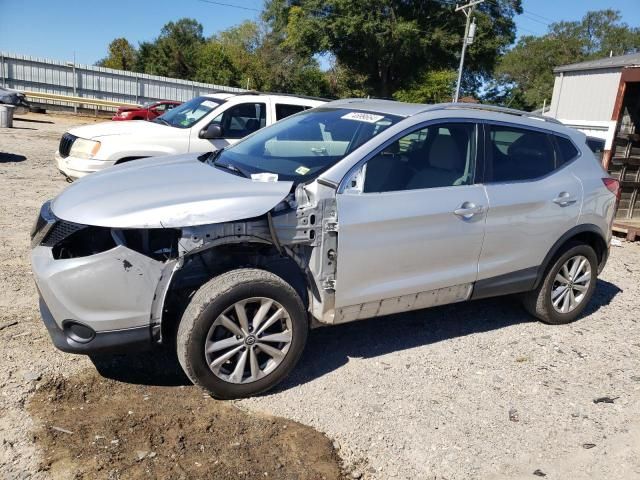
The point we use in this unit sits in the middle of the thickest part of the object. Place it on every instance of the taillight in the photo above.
(613, 186)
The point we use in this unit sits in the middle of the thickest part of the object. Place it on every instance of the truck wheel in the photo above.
(242, 333)
(566, 288)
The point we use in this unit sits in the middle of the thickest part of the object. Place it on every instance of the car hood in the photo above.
(135, 128)
(172, 192)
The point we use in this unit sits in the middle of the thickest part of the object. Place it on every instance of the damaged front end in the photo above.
(296, 240)
(110, 289)
(96, 284)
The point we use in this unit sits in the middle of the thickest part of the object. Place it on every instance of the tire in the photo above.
(205, 326)
(539, 301)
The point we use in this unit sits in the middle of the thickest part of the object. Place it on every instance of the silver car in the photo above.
(353, 210)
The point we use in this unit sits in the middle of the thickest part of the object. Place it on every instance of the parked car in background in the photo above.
(356, 209)
(597, 146)
(147, 111)
(18, 99)
(203, 124)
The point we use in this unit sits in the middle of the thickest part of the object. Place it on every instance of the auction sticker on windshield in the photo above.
(363, 117)
(302, 170)
(209, 104)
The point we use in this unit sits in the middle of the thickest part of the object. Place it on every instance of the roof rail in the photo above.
(491, 108)
(255, 92)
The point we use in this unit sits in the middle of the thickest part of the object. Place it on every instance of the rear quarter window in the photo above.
(567, 151)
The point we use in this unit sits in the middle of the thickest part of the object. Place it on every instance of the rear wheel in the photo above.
(242, 333)
(566, 288)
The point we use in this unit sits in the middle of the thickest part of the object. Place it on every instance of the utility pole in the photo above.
(75, 81)
(469, 34)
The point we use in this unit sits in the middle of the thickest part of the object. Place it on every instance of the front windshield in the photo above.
(189, 113)
(303, 146)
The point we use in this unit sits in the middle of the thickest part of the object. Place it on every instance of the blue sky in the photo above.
(57, 28)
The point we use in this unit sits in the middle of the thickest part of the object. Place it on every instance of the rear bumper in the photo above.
(114, 341)
(72, 167)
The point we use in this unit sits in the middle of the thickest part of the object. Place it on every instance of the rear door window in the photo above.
(284, 110)
(517, 154)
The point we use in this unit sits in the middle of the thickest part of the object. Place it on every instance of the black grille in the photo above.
(65, 144)
(59, 232)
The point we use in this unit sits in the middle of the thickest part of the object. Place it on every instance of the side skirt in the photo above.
(510, 283)
(516, 282)
(416, 301)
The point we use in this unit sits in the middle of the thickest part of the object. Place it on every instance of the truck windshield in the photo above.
(189, 113)
(303, 146)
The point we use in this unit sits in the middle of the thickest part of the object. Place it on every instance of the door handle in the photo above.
(564, 199)
(468, 209)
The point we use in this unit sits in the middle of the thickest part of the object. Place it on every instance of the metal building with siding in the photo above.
(602, 99)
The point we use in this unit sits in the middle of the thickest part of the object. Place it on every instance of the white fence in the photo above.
(22, 72)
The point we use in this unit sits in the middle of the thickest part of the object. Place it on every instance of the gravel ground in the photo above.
(468, 391)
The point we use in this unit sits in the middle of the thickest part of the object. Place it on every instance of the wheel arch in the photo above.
(588, 234)
(200, 266)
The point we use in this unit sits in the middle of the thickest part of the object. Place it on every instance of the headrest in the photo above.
(445, 154)
(530, 145)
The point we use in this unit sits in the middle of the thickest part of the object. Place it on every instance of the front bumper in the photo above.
(109, 293)
(114, 341)
(73, 167)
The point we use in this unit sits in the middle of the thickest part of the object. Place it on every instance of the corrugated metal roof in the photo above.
(632, 59)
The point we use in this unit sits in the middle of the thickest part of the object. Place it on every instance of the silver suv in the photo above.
(353, 210)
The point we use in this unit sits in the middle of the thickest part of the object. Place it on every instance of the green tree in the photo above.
(392, 42)
(215, 65)
(432, 87)
(527, 69)
(122, 55)
(144, 57)
(175, 51)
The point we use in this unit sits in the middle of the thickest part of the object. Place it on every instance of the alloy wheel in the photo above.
(571, 284)
(248, 340)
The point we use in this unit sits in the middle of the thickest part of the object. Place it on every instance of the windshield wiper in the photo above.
(231, 168)
(212, 159)
(158, 120)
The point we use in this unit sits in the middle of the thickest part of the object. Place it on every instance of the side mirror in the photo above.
(210, 132)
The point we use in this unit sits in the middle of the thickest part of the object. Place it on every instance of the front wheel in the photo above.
(566, 288)
(242, 333)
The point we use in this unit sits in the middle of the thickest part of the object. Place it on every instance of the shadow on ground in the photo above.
(331, 347)
(11, 158)
(31, 120)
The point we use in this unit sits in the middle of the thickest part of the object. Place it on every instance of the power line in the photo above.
(528, 17)
(223, 4)
(319, 12)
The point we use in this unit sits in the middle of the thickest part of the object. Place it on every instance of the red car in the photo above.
(147, 111)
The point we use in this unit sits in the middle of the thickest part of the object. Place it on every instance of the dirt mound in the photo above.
(96, 428)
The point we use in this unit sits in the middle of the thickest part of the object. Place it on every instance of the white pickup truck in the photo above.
(203, 124)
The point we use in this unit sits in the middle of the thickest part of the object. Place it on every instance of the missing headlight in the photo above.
(84, 242)
(158, 243)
